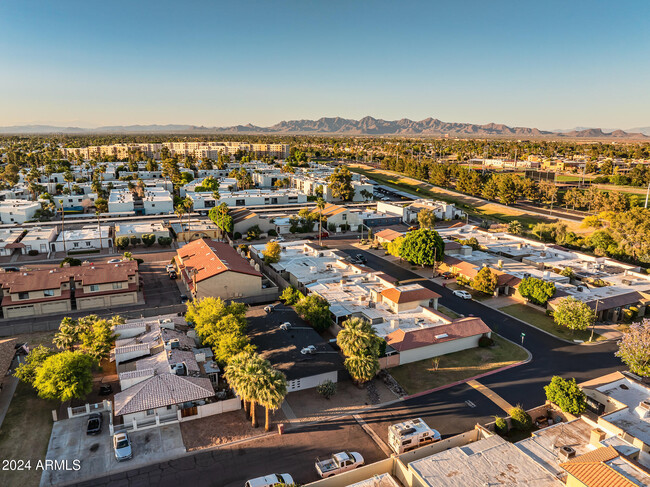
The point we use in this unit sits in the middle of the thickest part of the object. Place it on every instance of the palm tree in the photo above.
(233, 375)
(320, 204)
(272, 392)
(362, 368)
(357, 337)
(67, 335)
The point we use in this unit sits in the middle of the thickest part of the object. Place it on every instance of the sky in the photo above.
(546, 64)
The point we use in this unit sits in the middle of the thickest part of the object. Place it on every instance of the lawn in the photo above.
(446, 311)
(25, 434)
(422, 376)
(542, 321)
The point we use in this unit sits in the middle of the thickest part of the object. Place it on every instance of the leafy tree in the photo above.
(134, 240)
(485, 281)
(536, 290)
(122, 242)
(490, 189)
(567, 395)
(65, 376)
(520, 419)
(515, 227)
(71, 261)
(98, 339)
(315, 310)
(291, 296)
(426, 218)
(507, 189)
(568, 272)
(634, 348)
(395, 247)
(422, 247)
(573, 314)
(341, 184)
(164, 241)
(26, 371)
(148, 239)
(272, 252)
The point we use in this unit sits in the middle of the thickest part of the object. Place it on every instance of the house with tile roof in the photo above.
(387, 235)
(423, 343)
(605, 467)
(35, 292)
(410, 296)
(210, 268)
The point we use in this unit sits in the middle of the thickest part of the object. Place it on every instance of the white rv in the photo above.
(410, 435)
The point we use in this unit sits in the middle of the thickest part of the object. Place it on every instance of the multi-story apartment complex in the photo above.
(60, 290)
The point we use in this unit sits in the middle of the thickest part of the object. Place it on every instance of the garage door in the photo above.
(91, 303)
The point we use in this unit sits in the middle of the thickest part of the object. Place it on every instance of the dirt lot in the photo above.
(224, 428)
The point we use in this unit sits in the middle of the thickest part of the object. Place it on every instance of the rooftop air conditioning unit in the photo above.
(566, 453)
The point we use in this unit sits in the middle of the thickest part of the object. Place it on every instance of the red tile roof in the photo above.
(211, 258)
(402, 340)
(397, 295)
(388, 234)
(592, 471)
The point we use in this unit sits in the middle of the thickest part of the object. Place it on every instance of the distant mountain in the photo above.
(344, 126)
(643, 130)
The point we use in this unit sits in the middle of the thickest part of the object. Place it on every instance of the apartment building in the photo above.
(89, 237)
(39, 239)
(9, 240)
(61, 290)
(18, 211)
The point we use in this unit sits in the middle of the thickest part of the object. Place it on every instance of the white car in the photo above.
(273, 480)
(114, 261)
(462, 294)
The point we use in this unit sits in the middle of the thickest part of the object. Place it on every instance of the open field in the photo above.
(422, 376)
(473, 206)
(546, 323)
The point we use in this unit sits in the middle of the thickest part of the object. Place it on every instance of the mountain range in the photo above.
(344, 126)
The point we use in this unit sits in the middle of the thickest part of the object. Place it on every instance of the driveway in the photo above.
(159, 290)
(95, 453)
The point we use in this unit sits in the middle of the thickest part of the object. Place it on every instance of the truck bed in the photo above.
(327, 465)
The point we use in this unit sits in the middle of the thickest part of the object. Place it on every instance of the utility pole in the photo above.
(646, 196)
(591, 338)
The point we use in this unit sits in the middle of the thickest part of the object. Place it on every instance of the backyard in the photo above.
(422, 375)
(540, 320)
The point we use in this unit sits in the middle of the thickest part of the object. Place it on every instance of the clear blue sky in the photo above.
(544, 64)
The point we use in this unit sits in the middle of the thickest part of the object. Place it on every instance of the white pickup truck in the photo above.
(338, 463)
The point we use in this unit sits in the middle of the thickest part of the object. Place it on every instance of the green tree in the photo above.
(68, 334)
(520, 419)
(362, 368)
(567, 395)
(490, 189)
(515, 227)
(164, 241)
(573, 314)
(358, 340)
(148, 239)
(320, 204)
(273, 390)
(26, 371)
(395, 246)
(291, 296)
(536, 290)
(245, 374)
(422, 247)
(98, 339)
(122, 242)
(341, 184)
(272, 252)
(485, 281)
(507, 190)
(426, 218)
(315, 310)
(634, 348)
(65, 376)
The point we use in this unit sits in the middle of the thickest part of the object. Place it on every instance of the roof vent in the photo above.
(565, 453)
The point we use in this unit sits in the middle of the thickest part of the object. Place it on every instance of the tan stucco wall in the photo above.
(435, 350)
(37, 309)
(107, 301)
(230, 285)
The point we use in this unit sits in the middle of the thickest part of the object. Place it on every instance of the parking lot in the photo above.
(158, 288)
(70, 442)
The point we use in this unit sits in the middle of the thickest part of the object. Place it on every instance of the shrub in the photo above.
(327, 389)
(243, 247)
(521, 420)
(165, 241)
(537, 291)
(135, 240)
(237, 236)
(462, 281)
(500, 425)
(485, 341)
(272, 233)
(566, 394)
(70, 260)
(123, 242)
(33, 252)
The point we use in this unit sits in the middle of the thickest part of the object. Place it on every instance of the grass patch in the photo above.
(421, 376)
(446, 311)
(540, 320)
(25, 434)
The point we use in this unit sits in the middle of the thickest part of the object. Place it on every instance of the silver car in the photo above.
(122, 447)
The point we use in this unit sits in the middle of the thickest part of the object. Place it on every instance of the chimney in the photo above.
(597, 435)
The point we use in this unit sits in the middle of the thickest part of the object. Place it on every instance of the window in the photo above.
(23, 295)
(76, 244)
(48, 293)
(150, 412)
(117, 285)
(87, 244)
(94, 287)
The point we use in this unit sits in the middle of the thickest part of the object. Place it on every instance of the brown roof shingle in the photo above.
(402, 340)
(211, 258)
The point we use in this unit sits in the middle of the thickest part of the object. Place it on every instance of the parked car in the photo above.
(184, 299)
(324, 234)
(448, 275)
(462, 294)
(11, 269)
(173, 275)
(273, 480)
(413, 227)
(114, 261)
(339, 463)
(94, 426)
(170, 267)
(278, 239)
(360, 258)
(122, 447)
(105, 389)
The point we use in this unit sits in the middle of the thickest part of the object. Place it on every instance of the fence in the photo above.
(87, 409)
(213, 408)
